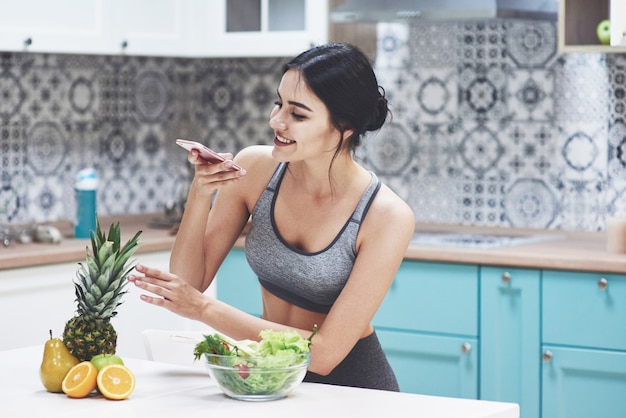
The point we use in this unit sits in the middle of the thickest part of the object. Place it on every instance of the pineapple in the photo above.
(100, 284)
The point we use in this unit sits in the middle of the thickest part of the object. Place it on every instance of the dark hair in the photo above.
(342, 77)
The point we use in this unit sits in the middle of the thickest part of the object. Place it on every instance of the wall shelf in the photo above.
(577, 23)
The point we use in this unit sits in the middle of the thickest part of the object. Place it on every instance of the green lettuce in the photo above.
(255, 363)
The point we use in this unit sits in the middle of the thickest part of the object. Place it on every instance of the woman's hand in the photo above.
(170, 292)
(209, 177)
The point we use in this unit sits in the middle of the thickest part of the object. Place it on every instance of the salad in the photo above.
(277, 361)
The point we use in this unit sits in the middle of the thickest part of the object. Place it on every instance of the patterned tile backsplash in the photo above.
(490, 127)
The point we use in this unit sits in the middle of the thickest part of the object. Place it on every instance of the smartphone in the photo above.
(205, 152)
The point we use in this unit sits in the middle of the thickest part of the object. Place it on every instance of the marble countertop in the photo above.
(580, 251)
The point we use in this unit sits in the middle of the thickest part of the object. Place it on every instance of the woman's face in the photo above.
(301, 122)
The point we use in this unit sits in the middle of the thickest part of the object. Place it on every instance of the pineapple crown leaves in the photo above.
(101, 280)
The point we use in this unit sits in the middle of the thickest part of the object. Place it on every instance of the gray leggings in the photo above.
(366, 366)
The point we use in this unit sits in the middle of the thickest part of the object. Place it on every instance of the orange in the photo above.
(80, 380)
(116, 381)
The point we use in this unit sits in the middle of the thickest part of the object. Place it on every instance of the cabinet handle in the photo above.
(603, 283)
(547, 355)
(124, 44)
(466, 348)
(28, 41)
(506, 277)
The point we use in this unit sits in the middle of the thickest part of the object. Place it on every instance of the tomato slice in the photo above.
(244, 371)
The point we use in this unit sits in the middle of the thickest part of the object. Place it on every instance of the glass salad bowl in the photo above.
(257, 378)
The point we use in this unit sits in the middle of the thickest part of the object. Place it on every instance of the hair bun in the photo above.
(380, 113)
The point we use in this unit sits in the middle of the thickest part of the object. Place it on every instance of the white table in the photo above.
(171, 391)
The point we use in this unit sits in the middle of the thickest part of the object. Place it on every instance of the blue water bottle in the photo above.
(85, 189)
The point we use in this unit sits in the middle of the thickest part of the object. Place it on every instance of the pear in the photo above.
(57, 361)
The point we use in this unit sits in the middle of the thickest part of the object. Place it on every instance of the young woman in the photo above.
(326, 237)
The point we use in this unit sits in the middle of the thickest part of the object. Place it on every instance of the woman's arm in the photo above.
(208, 230)
(382, 243)
(188, 255)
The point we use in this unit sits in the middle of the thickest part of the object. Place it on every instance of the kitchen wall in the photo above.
(490, 126)
(120, 115)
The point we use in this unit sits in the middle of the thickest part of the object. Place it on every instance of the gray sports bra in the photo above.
(311, 281)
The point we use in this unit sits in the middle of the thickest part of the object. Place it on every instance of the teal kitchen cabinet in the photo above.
(433, 364)
(552, 341)
(428, 327)
(585, 383)
(584, 345)
(510, 337)
(237, 284)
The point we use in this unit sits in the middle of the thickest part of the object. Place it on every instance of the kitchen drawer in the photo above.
(584, 309)
(432, 297)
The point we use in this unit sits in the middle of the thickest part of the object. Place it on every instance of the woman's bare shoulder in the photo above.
(257, 160)
(259, 164)
(255, 154)
(390, 211)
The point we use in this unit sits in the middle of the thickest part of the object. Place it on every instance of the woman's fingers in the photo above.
(167, 290)
(226, 167)
(154, 281)
(152, 272)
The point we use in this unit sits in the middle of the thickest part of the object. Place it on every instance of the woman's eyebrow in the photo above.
(300, 105)
(297, 104)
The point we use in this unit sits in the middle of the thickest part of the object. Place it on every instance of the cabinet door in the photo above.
(432, 297)
(617, 17)
(584, 309)
(433, 365)
(583, 383)
(510, 337)
(237, 284)
(60, 26)
(266, 28)
(158, 28)
(33, 301)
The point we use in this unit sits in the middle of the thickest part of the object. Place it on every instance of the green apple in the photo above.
(604, 32)
(102, 360)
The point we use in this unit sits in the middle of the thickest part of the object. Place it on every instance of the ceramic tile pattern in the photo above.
(502, 130)
(490, 126)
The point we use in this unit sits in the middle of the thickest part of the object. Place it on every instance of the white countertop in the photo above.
(165, 390)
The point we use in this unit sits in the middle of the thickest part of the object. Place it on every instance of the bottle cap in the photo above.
(86, 179)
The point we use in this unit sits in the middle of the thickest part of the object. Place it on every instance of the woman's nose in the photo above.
(276, 122)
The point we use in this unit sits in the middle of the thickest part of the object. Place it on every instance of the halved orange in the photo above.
(116, 381)
(80, 380)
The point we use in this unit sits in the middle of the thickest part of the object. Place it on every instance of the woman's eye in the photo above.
(294, 115)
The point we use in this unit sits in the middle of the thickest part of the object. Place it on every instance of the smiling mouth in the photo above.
(284, 140)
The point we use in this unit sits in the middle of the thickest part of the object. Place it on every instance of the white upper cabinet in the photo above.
(185, 28)
(618, 24)
(264, 27)
(155, 27)
(63, 26)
